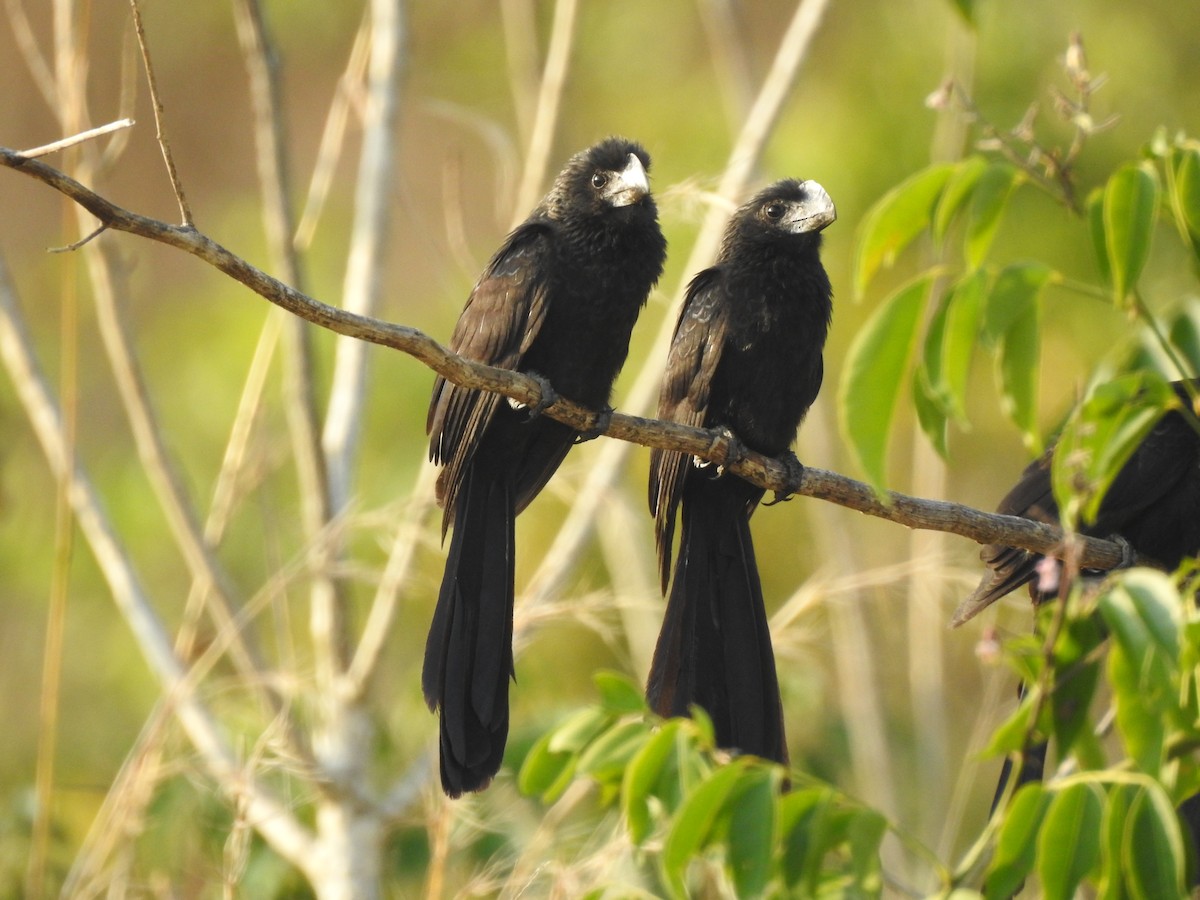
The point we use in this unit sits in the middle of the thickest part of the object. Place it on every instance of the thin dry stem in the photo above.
(272, 818)
(554, 79)
(79, 138)
(519, 22)
(395, 575)
(160, 127)
(363, 284)
(35, 60)
(333, 136)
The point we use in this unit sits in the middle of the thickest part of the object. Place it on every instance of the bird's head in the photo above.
(611, 175)
(790, 207)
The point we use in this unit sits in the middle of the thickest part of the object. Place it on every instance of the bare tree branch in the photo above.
(771, 474)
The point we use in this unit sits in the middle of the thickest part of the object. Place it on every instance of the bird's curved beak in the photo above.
(630, 185)
(814, 213)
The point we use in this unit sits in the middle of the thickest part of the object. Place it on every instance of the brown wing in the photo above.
(695, 354)
(501, 319)
(1010, 567)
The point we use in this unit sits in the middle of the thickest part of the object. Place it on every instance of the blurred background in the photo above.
(881, 699)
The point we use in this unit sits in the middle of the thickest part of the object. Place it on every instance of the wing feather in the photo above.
(500, 321)
(691, 365)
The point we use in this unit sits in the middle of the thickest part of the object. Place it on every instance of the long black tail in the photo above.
(714, 649)
(468, 656)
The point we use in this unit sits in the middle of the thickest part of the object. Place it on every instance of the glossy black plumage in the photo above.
(746, 355)
(559, 299)
(1153, 503)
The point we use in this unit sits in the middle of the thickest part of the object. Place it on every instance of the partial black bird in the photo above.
(559, 300)
(1153, 504)
(745, 356)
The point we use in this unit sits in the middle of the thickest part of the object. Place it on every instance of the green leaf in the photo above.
(1185, 334)
(1099, 439)
(987, 207)
(875, 369)
(1017, 842)
(1130, 205)
(964, 313)
(1187, 190)
(1010, 735)
(865, 834)
(802, 816)
(546, 773)
(1011, 328)
(752, 832)
(693, 821)
(1158, 604)
(607, 756)
(958, 190)
(619, 694)
(1069, 841)
(641, 776)
(579, 730)
(1015, 290)
(1095, 216)
(1111, 883)
(892, 223)
(930, 415)
(1152, 847)
(1017, 365)
(1139, 683)
(1076, 678)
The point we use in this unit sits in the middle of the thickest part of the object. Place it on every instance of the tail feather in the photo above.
(468, 655)
(714, 649)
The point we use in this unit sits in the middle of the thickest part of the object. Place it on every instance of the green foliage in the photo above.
(1111, 825)
(1100, 437)
(964, 299)
(1130, 207)
(701, 821)
(695, 814)
(874, 368)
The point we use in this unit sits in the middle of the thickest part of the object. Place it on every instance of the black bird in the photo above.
(1153, 504)
(558, 300)
(746, 356)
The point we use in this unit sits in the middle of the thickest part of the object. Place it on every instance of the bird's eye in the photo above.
(775, 210)
(599, 180)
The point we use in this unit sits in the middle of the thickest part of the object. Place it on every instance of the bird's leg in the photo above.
(795, 474)
(598, 427)
(725, 450)
(547, 397)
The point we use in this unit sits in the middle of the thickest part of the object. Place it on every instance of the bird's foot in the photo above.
(725, 450)
(794, 475)
(1129, 556)
(598, 427)
(547, 397)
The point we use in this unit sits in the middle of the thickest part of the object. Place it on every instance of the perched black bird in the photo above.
(558, 300)
(746, 356)
(1153, 503)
